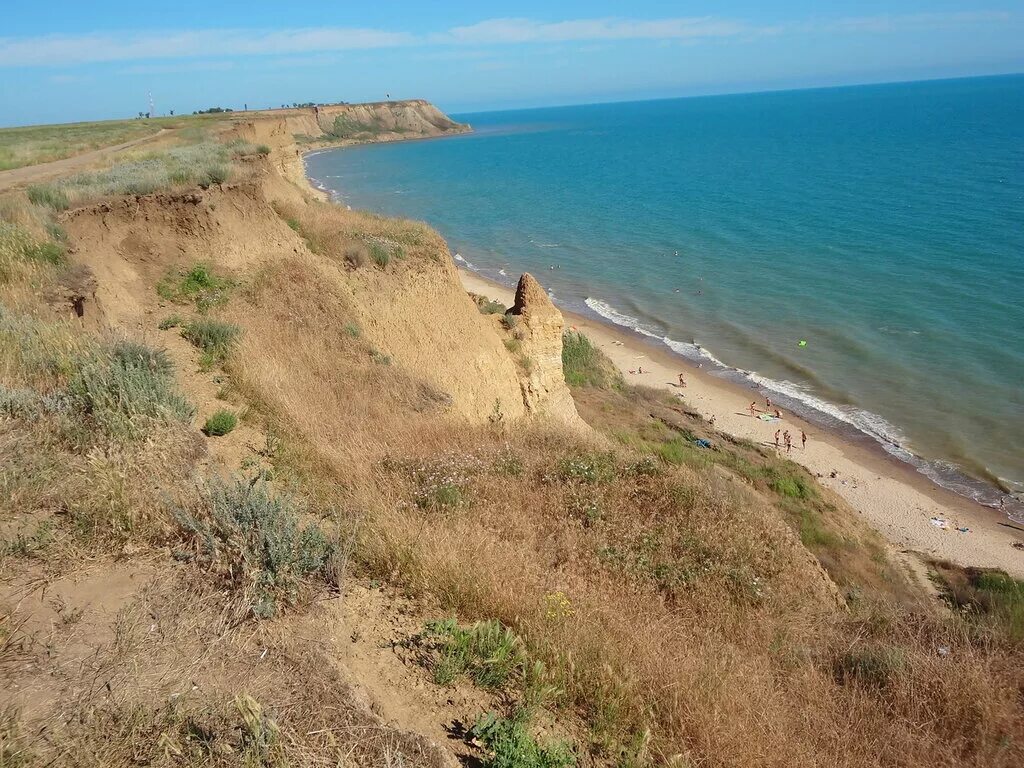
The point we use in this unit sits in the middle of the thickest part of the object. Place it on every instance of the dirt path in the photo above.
(33, 173)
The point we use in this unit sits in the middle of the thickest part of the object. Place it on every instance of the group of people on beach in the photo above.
(788, 439)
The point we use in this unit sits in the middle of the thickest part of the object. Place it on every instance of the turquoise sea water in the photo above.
(884, 225)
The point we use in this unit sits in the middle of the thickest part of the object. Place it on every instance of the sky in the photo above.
(63, 61)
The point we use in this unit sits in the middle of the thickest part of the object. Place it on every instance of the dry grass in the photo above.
(35, 144)
(360, 239)
(672, 600)
(671, 594)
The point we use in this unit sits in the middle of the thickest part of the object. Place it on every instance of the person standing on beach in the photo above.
(767, 404)
(803, 439)
(682, 381)
(788, 440)
(753, 408)
(777, 437)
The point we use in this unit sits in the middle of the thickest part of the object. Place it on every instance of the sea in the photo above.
(857, 251)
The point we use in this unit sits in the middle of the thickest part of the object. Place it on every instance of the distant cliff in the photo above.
(377, 121)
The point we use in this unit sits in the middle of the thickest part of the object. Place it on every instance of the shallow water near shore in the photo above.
(881, 225)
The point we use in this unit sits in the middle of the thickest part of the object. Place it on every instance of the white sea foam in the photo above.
(869, 423)
(609, 312)
(502, 272)
(458, 257)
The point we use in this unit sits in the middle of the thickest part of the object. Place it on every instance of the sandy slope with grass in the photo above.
(894, 499)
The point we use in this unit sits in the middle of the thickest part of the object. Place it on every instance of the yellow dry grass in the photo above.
(681, 617)
(675, 607)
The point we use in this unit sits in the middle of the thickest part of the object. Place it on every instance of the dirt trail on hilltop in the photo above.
(32, 173)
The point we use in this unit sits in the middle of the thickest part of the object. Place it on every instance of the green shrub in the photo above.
(50, 253)
(254, 541)
(989, 597)
(488, 652)
(216, 174)
(380, 254)
(488, 307)
(1003, 600)
(262, 150)
(214, 337)
(787, 482)
(583, 364)
(679, 451)
(380, 358)
(353, 330)
(48, 196)
(199, 285)
(513, 345)
(125, 386)
(172, 321)
(512, 746)
(220, 423)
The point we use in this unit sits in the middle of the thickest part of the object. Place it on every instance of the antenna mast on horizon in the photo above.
(152, 109)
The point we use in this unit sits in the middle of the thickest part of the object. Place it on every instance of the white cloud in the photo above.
(899, 22)
(497, 31)
(207, 44)
(93, 48)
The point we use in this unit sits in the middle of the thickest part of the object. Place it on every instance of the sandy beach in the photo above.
(912, 513)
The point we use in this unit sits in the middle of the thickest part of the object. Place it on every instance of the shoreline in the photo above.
(896, 500)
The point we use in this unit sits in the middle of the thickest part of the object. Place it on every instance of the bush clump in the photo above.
(220, 423)
(201, 164)
(381, 256)
(584, 365)
(254, 540)
(199, 285)
(214, 337)
(511, 745)
(48, 196)
(488, 652)
(125, 386)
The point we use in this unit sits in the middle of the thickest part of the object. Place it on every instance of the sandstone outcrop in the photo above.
(538, 326)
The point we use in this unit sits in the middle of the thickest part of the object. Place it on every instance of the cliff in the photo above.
(356, 123)
(282, 590)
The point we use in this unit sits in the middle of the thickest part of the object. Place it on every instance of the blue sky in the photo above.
(63, 61)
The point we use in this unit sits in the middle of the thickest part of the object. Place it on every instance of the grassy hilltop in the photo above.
(266, 500)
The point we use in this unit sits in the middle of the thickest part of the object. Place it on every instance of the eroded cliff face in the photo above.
(539, 327)
(377, 121)
(414, 310)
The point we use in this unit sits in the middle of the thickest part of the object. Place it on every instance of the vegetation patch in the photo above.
(586, 468)
(48, 197)
(488, 652)
(125, 386)
(21, 252)
(172, 321)
(220, 423)
(200, 164)
(584, 365)
(987, 597)
(214, 337)
(873, 666)
(486, 306)
(510, 744)
(254, 541)
(199, 285)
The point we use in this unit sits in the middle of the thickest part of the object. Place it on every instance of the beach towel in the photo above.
(767, 417)
(938, 522)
